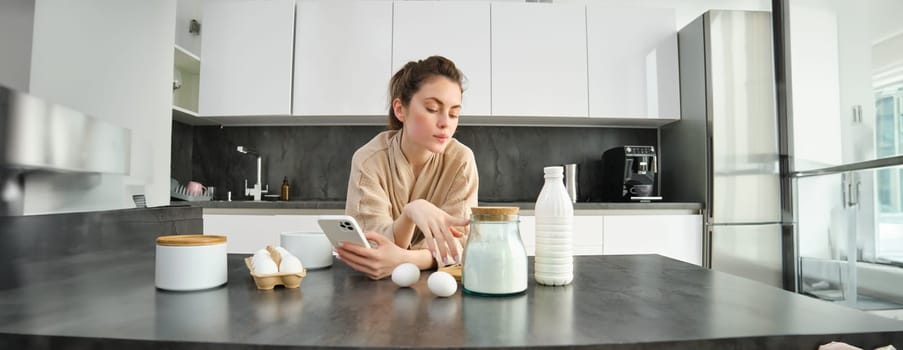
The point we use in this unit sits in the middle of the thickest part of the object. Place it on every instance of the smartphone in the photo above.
(342, 228)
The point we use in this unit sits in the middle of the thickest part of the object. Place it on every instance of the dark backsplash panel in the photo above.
(510, 159)
(316, 159)
(182, 137)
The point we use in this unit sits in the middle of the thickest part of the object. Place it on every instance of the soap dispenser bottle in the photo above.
(285, 189)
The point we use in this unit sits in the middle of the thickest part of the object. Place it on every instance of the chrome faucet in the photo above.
(258, 188)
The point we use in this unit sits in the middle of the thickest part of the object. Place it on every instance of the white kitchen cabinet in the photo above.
(186, 70)
(588, 234)
(633, 63)
(343, 53)
(675, 236)
(539, 60)
(107, 59)
(457, 30)
(587, 239)
(247, 67)
(245, 234)
(186, 73)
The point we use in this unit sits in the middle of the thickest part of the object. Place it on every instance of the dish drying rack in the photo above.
(181, 192)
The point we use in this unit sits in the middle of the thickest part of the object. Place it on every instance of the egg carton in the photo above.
(181, 192)
(271, 280)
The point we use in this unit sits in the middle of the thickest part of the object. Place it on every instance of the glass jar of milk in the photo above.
(495, 261)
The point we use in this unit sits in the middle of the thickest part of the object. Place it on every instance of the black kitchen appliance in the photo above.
(628, 174)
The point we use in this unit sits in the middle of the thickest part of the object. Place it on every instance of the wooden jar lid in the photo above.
(494, 213)
(190, 240)
(494, 210)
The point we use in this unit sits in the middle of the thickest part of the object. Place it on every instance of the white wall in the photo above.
(847, 42)
(815, 75)
(888, 53)
(16, 19)
(186, 10)
(111, 59)
(886, 33)
(685, 10)
(855, 59)
(885, 19)
(822, 220)
(816, 80)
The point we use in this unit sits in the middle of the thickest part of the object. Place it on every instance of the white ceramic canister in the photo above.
(190, 262)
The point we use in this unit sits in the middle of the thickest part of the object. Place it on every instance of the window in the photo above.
(889, 186)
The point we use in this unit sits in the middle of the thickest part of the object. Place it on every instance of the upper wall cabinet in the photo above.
(456, 30)
(633, 66)
(539, 60)
(247, 67)
(320, 62)
(343, 53)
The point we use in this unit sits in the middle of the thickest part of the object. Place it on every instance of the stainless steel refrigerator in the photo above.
(724, 150)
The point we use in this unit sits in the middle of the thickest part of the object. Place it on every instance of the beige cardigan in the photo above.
(382, 182)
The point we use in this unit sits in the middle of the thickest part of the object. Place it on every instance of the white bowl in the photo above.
(190, 262)
(312, 248)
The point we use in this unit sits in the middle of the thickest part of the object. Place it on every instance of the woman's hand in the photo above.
(377, 262)
(437, 228)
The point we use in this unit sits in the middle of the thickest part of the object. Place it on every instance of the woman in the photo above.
(411, 187)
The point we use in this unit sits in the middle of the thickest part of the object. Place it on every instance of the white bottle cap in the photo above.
(554, 170)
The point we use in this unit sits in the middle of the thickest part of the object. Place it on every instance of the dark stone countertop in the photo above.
(615, 302)
(52, 236)
(340, 205)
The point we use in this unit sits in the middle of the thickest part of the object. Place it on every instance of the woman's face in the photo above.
(430, 119)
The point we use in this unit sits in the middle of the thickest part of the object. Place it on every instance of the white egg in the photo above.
(290, 264)
(258, 256)
(405, 274)
(283, 252)
(442, 284)
(263, 264)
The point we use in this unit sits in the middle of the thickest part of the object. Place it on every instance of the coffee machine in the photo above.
(628, 174)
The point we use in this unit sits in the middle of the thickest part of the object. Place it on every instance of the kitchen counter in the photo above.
(340, 205)
(615, 302)
(51, 236)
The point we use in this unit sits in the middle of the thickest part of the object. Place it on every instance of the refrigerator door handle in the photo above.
(710, 180)
(707, 246)
(757, 223)
(850, 189)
